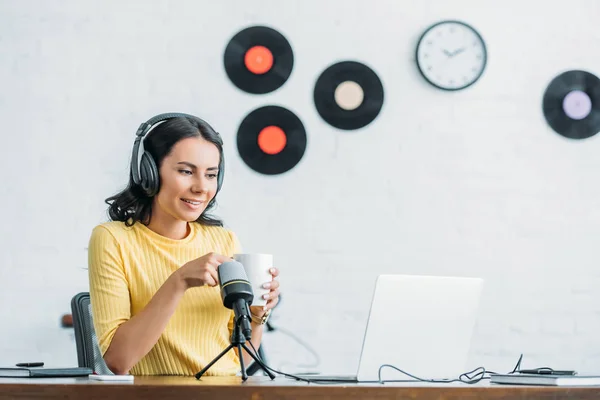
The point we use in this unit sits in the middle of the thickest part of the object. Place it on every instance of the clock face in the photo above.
(451, 55)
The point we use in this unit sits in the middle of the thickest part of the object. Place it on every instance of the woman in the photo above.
(154, 288)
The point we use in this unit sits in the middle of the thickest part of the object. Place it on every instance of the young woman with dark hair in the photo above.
(153, 277)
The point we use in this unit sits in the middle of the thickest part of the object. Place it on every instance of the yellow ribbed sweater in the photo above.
(127, 265)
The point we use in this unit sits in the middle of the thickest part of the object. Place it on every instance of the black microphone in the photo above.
(236, 293)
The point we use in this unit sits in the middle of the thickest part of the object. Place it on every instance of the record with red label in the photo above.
(258, 60)
(271, 140)
(348, 95)
(571, 104)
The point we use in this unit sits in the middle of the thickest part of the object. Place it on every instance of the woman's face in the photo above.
(188, 179)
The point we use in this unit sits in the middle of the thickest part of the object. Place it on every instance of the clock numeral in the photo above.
(426, 55)
(429, 68)
(465, 79)
(479, 56)
(475, 44)
(429, 42)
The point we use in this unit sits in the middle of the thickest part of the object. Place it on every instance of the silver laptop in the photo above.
(420, 324)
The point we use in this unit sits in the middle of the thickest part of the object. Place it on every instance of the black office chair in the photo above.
(88, 350)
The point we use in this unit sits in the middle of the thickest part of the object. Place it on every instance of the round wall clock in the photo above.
(451, 55)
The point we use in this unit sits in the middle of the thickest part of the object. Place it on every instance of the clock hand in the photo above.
(458, 51)
(446, 52)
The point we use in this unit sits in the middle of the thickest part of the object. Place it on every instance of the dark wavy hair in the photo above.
(133, 204)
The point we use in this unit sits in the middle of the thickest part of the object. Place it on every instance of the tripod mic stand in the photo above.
(238, 341)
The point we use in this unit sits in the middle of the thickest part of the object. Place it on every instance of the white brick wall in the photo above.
(468, 183)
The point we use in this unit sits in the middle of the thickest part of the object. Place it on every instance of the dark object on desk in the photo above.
(88, 350)
(238, 340)
(546, 371)
(30, 364)
(43, 372)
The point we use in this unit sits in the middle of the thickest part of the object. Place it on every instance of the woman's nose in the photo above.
(200, 185)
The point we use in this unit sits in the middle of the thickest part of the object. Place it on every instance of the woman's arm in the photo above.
(136, 337)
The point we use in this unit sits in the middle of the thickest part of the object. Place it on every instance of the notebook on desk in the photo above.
(35, 372)
(545, 380)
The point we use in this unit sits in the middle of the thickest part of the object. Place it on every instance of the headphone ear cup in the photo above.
(149, 174)
(221, 174)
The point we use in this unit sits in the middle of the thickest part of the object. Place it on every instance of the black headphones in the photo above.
(144, 170)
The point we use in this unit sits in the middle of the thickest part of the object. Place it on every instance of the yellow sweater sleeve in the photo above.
(109, 288)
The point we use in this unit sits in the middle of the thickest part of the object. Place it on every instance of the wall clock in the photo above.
(451, 55)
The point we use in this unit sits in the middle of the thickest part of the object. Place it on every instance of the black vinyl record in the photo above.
(348, 95)
(271, 140)
(571, 104)
(258, 60)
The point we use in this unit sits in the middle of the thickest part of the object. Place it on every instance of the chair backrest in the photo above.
(88, 350)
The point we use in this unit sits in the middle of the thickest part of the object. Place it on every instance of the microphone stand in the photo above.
(238, 341)
(253, 368)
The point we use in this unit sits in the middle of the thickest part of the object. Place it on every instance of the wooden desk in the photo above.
(259, 388)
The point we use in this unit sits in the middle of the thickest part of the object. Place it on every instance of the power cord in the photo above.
(302, 343)
(286, 374)
(470, 377)
(271, 328)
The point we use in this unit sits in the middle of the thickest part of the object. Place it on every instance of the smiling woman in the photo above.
(153, 268)
(169, 143)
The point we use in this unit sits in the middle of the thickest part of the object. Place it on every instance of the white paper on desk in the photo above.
(114, 378)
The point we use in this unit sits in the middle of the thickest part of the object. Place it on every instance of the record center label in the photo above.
(577, 104)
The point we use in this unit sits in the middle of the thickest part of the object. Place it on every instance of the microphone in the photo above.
(236, 293)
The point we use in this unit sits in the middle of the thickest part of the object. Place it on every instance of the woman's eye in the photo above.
(185, 172)
(212, 176)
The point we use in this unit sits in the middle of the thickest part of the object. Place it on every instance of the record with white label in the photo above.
(348, 95)
(571, 104)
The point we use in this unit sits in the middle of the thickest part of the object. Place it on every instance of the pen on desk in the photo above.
(547, 371)
(32, 364)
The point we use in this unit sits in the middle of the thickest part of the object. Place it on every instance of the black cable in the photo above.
(289, 375)
(518, 366)
(466, 377)
(271, 328)
(471, 377)
(301, 343)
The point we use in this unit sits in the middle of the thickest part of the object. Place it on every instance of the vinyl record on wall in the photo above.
(258, 60)
(271, 140)
(571, 104)
(348, 95)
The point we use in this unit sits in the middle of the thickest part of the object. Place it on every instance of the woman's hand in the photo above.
(272, 297)
(202, 271)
